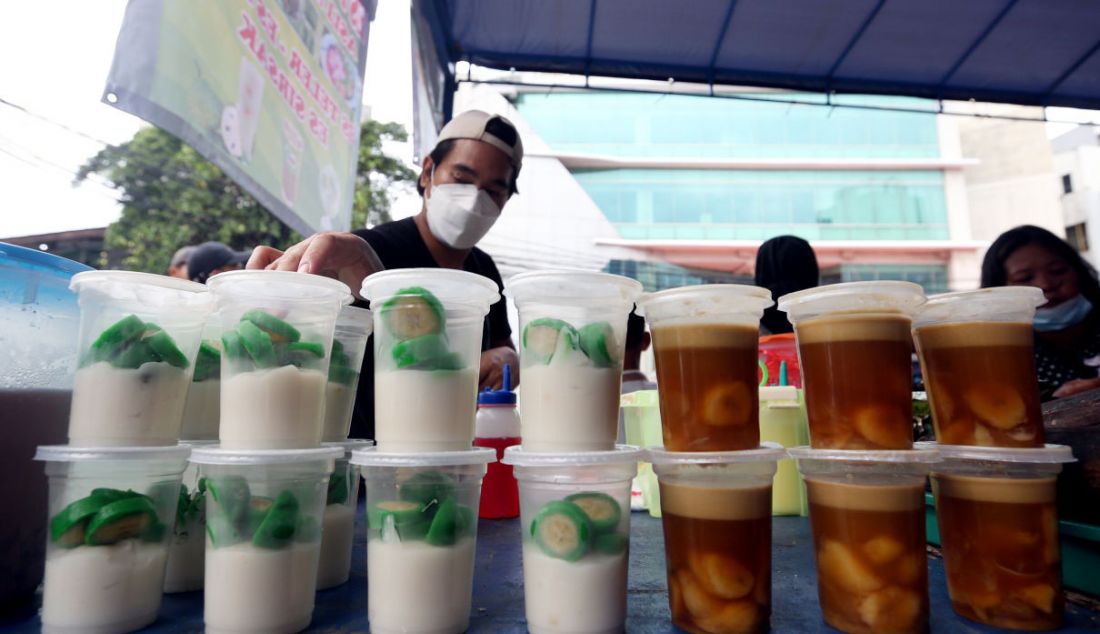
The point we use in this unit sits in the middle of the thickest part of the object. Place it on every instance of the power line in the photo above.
(44, 164)
(52, 122)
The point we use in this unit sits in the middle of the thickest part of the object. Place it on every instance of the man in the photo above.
(178, 266)
(465, 182)
(210, 258)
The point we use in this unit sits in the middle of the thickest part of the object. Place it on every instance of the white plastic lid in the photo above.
(372, 457)
(566, 286)
(355, 319)
(1047, 454)
(244, 457)
(279, 285)
(778, 393)
(621, 454)
(349, 445)
(66, 453)
(853, 297)
(150, 291)
(705, 303)
(922, 454)
(1003, 303)
(451, 286)
(767, 452)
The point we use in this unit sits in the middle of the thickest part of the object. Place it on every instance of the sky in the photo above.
(52, 119)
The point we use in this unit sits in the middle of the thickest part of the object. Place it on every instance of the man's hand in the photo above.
(343, 256)
(1069, 388)
(492, 367)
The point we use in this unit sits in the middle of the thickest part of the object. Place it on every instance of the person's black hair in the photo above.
(993, 265)
(784, 264)
(635, 330)
(439, 154)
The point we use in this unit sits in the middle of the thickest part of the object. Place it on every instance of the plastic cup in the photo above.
(783, 421)
(276, 337)
(428, 331)
(422, 520)
(139, 334)
(705, 346)
(716, 508)
(573, 326)
(111, 512)
(867, 515)
(855, 351)
(642, 428)
(575, 520)
(977, 354)
(349, 345)
(187, 546)
(264, 513)
(202, 409)
(339, 518)
(998, 522)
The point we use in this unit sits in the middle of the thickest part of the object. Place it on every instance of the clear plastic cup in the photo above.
(428, 331)
(139, 334)
(339, 519)
(855, 355)
(187, 546)
(867, 514)
(998, 522)
(717, 513)
(349, 345)
(202, 409)
(111, 511)
(422, 530)
(573, 334)
(977, 354)
(705, 346)
(575, 521)
(264, 515)
(276, 344)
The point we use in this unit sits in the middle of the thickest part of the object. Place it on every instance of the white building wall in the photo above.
(963, 267)
(1082, 205)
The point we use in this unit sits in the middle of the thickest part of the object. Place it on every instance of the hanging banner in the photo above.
(268, 90)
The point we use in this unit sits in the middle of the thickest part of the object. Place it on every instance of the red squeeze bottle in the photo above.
(497, 427)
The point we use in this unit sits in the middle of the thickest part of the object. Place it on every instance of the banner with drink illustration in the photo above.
(268, 90)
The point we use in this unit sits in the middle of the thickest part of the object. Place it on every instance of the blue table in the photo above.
(498, 588)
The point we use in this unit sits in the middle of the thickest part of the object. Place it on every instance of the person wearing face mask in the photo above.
(465, 183)
(1067, 326)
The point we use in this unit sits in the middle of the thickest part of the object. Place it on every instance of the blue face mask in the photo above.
(1068, 313)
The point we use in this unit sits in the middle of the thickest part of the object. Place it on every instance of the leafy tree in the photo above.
(171, 196)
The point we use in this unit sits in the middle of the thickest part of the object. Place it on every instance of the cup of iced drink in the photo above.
(705, 346)
(867, 515)
(855, 351)
(276, 335)
(111, 513)
(422, 530)
(977, 354)
(187, 545)
(716, 508)
(575, 521)
(202, 409)
(998, 522)
(573, 334)
(264, 515)
(139, 336)
(339, 519)
(349, 345)
(428, 332)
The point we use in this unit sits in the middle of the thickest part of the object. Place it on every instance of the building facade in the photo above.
(1077, 165)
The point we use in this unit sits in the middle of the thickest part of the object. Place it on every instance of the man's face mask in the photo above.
(459, 215)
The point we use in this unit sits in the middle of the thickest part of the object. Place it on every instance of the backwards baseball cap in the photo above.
(488, 128)
(211, 256)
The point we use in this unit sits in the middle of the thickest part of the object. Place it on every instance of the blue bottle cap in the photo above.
(504, 396)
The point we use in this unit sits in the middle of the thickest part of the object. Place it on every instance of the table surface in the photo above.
(498, 588)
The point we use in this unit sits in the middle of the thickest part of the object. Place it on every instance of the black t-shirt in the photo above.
(1057, 365)
(399, 246)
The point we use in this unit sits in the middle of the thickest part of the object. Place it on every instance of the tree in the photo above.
(172, 197)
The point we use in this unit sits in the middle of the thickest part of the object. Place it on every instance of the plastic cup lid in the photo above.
(66, 453)
(919, 454)
(1047, 454)
(89, 278)
(350, 444)
(151, 292)
(281, 285)
(697, 303)
(1003, 303)
(767, 452)
(451, 286)
(195, 444)
(372, 457)
(621, 454)
(854, 297)
(572, 286)
(219, 456)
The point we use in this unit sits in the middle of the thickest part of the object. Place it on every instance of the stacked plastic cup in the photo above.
(264, 520)
(428, 330)
(187, 545)
(202, 409)
(112, 511)
(573, 336)
(575, 514)
(422, 534)
(349, 345)
(139, 336)
(339, 519)
(276, 336)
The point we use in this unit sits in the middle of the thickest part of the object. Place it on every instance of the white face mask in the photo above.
(459, 215)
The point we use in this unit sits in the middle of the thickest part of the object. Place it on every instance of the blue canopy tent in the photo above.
(1033, 52)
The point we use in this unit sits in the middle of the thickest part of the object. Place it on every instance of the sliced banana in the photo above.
(700, 604)
(735, 617)
(882, 550)
(878, 424)
(982, 437)
(1039, 596)
(910, 568)
(837, 563)
(891, 609)
(727, 404)
(999, 405)
(676, 598)
(722, 576)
